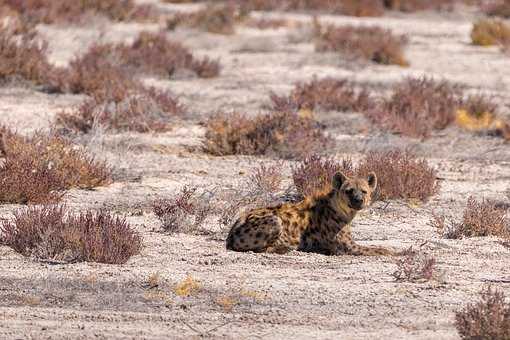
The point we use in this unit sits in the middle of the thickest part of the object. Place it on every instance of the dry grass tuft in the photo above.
(417, 107)
(488, 32)
(283, 134)
(487, 319)
(484, 218)
(400, 175)
(315, 173)
(53, 233)
(38, 169)
(326, 94)
(188, 287)
(367, 43)
(415, 266)
(186, 212)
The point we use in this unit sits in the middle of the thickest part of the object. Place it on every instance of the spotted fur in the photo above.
(319, 224)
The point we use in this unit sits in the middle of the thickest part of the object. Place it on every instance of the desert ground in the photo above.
(252, 295)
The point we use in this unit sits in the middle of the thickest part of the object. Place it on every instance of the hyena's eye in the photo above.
(364, 192)
(349, 191)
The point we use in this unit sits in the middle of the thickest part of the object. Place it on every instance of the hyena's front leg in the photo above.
(344, 245)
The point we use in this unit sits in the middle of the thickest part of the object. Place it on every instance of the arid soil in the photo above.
(265, 296)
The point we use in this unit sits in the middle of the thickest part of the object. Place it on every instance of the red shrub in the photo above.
(52, 233)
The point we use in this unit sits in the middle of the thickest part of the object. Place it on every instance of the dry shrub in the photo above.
(38, 169)
(54, 233)
(284, 134)
(263, 187)
(487, 32)
(269, 23)
(154, 53)
(367, 43)
(314, 173)
(326, 94)
(500, 8)
(418, 106)
(484, 218)
(149, 111)
(488, 319)
(400, 175)
(186, 212)
(415, 266)
(477, 113)
(345, 7)
(24, 57)
(418, 5)
(58, 11)
(215, 18)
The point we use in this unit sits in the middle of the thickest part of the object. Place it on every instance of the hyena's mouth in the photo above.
(356, 205)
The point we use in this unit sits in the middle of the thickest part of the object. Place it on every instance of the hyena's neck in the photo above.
(326, 207)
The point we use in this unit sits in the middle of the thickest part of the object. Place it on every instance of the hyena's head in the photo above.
(355, 192)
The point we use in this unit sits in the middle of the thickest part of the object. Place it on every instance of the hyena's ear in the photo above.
(338, 180)
(372, 180)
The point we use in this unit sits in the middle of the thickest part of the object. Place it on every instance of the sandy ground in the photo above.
(298, 295)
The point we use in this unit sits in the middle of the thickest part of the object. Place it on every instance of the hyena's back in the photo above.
(257, 231)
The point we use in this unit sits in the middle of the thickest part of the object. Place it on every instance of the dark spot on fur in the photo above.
(241, 240)
(258, 235)
(238, 231)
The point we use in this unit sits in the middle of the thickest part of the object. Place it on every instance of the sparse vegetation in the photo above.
(315, 173)
(487, 319)
(283, 134)
(54, 233)
(367, 43)
(183, 213)
(400, 175)
(326, 94)
(415, 266)
(480, 218)
(488, 32)
(40, 168)
(417, 107)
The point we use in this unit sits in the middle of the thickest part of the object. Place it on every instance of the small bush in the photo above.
(500, 8)
(346, 7)
(487, 32)
(263, 187)
(415, 266)
(154, 53)
(327, 94)
(314, 174)
(400, 175)
(58, 11)
(284, 134)
(484, 218)
(38, 169)
(53, 233)
(417, 107)
(215, 18)
(367, 43)
(268, 23)
(418, 5)
(24, 57)
(186, 212)
(149, 111)
(488, 319)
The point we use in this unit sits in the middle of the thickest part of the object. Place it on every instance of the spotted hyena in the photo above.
(317, 224)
